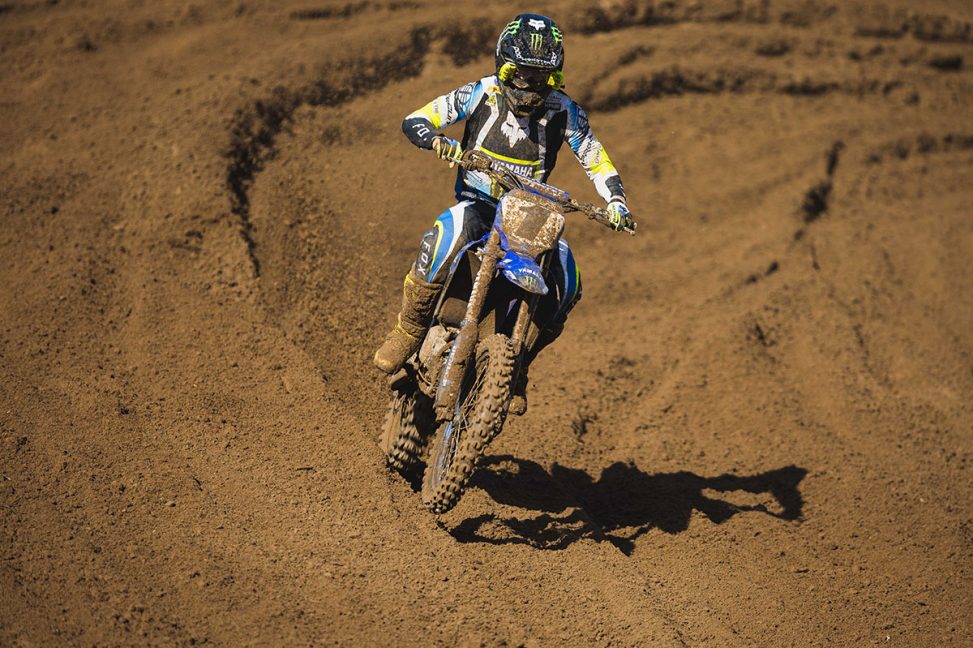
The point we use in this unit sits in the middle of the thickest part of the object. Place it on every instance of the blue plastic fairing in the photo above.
(524, 272)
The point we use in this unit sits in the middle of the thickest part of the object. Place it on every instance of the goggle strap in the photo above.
(507, 71)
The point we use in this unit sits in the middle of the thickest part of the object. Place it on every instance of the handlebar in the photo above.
(477, 161)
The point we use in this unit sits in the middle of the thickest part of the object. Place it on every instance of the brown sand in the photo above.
(756, 430)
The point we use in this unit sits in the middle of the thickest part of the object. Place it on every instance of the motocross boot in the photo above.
(518, 401)
(418, 300)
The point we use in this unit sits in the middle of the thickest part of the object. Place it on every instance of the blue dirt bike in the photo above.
(456, 389)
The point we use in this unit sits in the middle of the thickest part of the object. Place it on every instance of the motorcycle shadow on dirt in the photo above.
(621, 505)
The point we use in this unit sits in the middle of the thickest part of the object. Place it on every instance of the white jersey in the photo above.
(528, 145)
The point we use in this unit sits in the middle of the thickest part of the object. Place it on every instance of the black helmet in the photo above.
(530, 57)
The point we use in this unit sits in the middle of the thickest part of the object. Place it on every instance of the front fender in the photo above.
(524, 272)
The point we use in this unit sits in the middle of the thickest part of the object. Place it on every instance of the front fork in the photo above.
(465, 343)
(524, 332)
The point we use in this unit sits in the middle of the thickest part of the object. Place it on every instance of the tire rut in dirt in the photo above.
(486, 402)
(254, 128)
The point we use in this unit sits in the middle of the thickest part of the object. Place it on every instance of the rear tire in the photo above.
(408, 424)
(460, 442)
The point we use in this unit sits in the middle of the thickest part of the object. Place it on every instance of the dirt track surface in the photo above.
(756, 430)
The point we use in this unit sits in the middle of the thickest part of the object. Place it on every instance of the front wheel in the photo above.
(460, 442)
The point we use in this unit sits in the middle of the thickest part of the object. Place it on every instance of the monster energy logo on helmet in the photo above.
(536, 43)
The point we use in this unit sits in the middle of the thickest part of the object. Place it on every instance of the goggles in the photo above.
(525, 78)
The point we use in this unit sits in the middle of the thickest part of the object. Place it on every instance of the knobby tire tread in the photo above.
(402, 434)
(486, 421)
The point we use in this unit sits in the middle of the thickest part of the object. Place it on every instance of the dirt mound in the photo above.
(757, 428)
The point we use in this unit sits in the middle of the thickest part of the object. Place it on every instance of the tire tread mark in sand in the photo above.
(650, 13)
(923, 144)
(349, 9)
(815, 202)
(677, 81)
(324, 13)
(930, 28)
(254, 130)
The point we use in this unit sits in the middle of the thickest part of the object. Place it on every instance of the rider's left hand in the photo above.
(619, 217)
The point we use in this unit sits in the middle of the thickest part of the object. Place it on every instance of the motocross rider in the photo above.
(518, 116)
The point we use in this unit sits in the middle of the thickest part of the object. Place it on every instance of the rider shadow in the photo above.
(621, 505)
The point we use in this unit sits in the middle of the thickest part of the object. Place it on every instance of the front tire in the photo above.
(460, 442)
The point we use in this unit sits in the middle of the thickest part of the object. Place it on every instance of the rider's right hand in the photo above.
(446, 148)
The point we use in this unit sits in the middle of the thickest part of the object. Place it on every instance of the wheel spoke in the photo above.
(476, 420)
